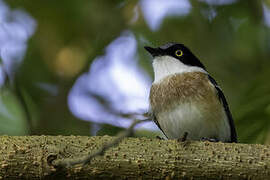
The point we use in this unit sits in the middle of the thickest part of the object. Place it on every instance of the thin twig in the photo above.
(87, 159)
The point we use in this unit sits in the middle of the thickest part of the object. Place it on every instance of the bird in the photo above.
(185, 100)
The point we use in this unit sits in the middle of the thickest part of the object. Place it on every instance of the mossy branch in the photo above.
(32, 157)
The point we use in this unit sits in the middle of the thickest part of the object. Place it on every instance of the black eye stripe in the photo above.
(178, 51)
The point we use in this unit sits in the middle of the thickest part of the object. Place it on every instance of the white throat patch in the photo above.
(166, 65)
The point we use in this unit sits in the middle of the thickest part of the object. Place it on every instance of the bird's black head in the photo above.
(178, 51)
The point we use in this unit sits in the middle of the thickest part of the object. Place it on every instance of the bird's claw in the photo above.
(183, 138)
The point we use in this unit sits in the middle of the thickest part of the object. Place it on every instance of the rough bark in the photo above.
(32, 157)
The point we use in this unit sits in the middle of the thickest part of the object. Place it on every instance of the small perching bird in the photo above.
(184, 98)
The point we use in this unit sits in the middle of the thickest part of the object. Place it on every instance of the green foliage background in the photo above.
(234, 47)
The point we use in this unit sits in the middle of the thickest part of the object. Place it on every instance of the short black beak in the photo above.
(153, 51)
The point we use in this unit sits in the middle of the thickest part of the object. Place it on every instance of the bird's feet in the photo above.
(209, 139)
(183, 138)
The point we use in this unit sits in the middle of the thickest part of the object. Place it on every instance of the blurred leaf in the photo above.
(12, 116)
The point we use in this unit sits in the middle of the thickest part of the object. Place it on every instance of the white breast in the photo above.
(199, 119)
(167, 65)
(196, 120)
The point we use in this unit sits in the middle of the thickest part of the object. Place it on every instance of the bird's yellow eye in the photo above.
(179, 53)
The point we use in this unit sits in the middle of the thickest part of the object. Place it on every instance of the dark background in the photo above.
(79, 67)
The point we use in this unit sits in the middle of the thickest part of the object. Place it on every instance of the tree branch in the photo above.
(32, 157)
(101, 151)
